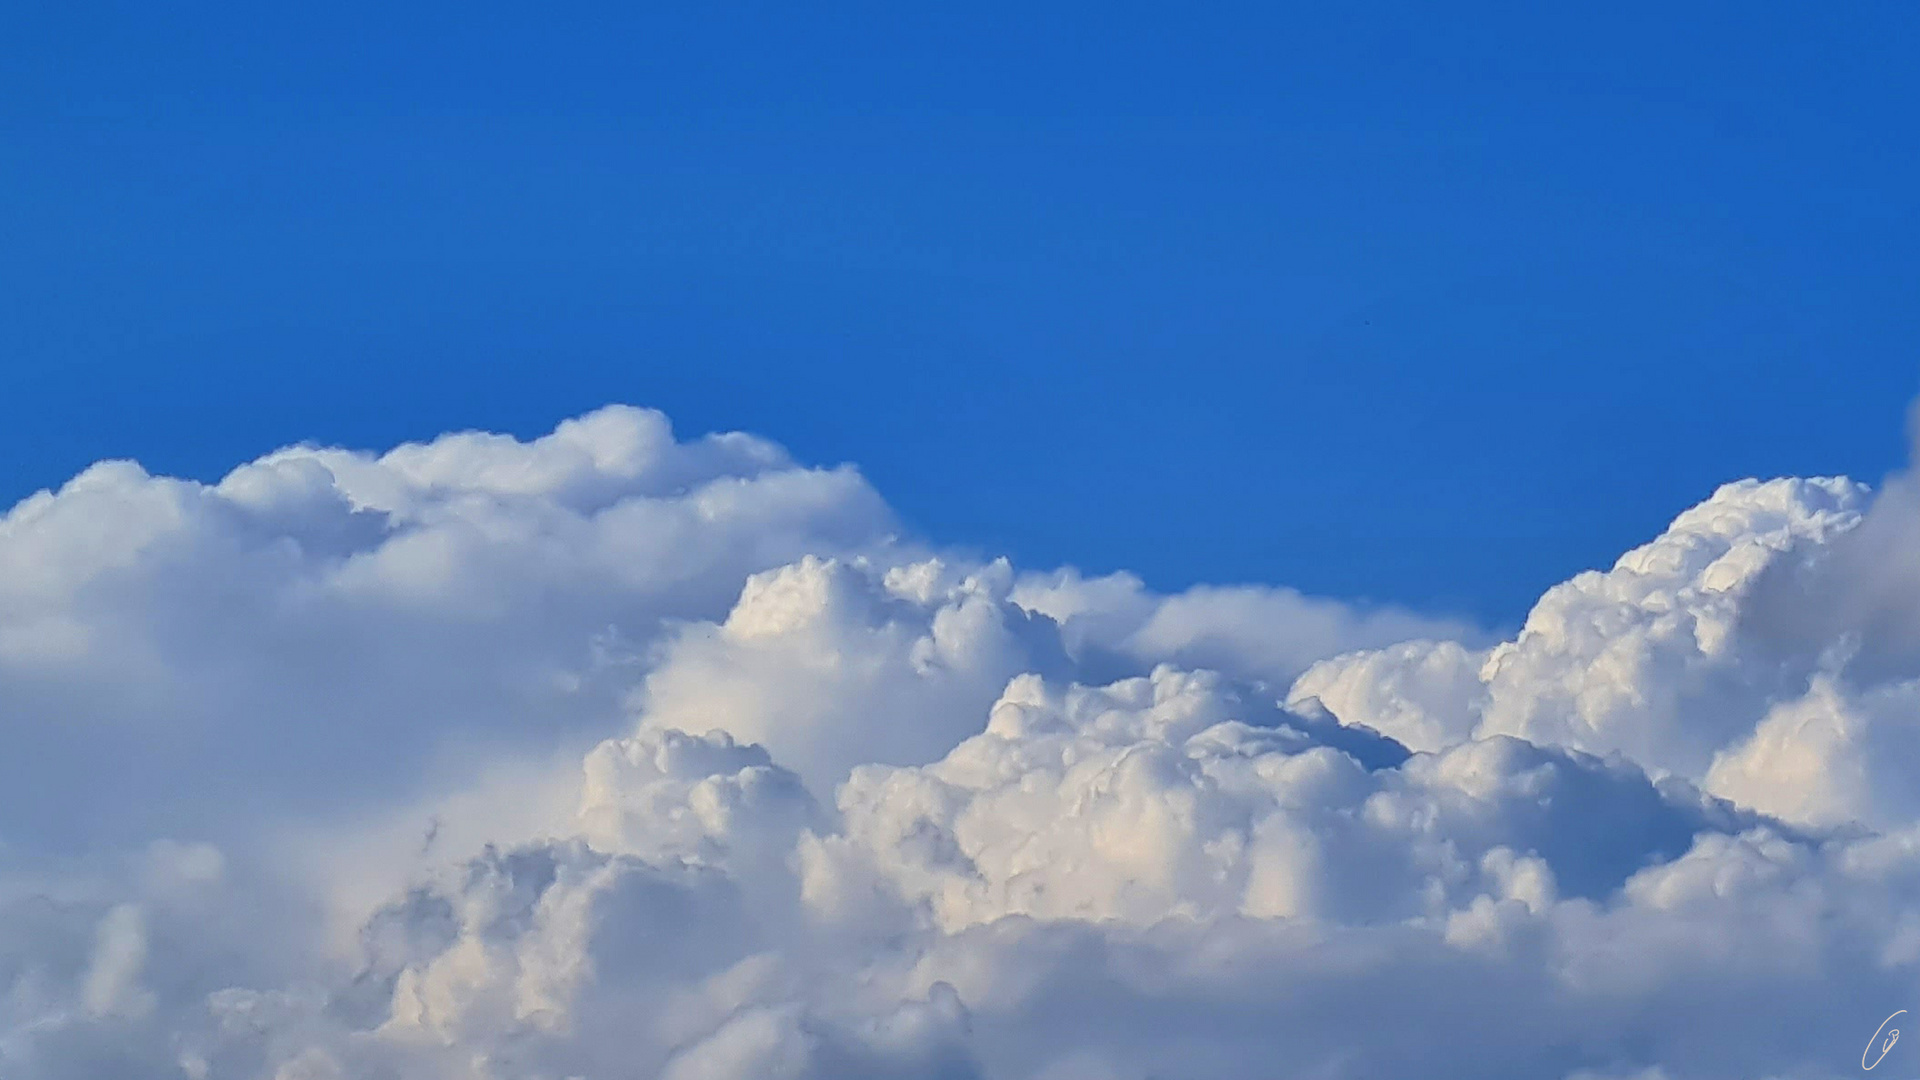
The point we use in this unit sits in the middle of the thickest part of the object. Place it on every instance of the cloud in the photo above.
(1255, 633)
(614, 755)
(321, 618)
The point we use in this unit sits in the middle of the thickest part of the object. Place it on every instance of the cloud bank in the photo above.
(615, 756)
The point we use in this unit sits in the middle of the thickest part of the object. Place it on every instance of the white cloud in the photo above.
(619, 756)
(1679, 654)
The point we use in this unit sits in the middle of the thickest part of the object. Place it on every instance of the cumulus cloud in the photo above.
(1762, 646)
(615, 755)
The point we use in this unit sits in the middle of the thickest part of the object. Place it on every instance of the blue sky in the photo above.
(1393, 302)
(599, 752)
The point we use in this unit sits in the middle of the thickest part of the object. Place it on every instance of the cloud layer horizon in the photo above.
(614, 756)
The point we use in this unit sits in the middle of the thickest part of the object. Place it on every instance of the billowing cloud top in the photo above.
(616, 757)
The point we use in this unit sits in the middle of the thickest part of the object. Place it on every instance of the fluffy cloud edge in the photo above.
(835, 802)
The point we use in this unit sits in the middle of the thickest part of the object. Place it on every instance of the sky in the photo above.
(1040, 544)
(1414, 305)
